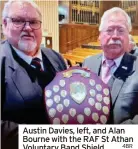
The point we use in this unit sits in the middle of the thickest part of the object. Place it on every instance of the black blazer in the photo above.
(134, 51)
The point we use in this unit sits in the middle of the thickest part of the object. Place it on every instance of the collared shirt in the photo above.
(28, 58)
(117, 63)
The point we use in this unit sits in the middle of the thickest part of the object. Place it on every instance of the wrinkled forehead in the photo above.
(118, 20)
(23, 10)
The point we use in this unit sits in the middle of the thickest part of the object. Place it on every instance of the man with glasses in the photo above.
(117, 68)
(25, 68)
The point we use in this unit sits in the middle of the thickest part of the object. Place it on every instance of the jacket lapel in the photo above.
(94, 63)
(124, 70)
(19, 76)
(50, 57)
(98, 65)
(116, 87)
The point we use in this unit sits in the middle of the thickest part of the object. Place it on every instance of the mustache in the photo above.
(26, 34)
(114, 42)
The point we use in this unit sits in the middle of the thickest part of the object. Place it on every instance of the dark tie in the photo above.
(36, 64)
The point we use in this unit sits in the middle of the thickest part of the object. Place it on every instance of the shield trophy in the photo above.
(77, 96)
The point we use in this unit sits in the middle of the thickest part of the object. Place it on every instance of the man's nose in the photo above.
(115, 34)
(27, 26)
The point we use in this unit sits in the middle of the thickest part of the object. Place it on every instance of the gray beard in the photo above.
(27, 47)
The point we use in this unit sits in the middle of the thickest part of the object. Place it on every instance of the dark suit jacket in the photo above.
(124, 88)
(135, 51)
(20, 96)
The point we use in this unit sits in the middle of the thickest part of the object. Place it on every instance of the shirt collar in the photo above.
(28, 58)
(117, 60)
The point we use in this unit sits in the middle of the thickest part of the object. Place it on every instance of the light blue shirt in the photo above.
(28, 58)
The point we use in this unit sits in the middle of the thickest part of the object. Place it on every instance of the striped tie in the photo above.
(36, 64)
(106, 71)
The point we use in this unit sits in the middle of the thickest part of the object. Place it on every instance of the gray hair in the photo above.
(115, 10)
(7, 5)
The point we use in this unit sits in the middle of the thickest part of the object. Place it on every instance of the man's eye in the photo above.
(121, 30)
(18, 21)
(34, 22)
(109, 30)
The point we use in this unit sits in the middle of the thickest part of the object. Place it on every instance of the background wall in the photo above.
(50, 27)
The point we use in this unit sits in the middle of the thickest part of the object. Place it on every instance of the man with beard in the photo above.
(116, 67)
(25, 69)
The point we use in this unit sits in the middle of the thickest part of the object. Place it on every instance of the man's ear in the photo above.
(99, 37)
(4, 25)
(4, 22)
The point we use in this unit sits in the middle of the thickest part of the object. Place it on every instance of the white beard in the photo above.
(27, 47)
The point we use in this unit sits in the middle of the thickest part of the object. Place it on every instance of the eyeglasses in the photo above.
(120, 31)
(20, 23)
